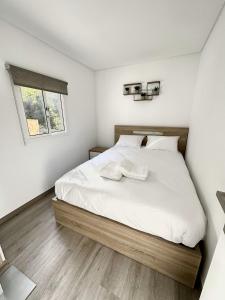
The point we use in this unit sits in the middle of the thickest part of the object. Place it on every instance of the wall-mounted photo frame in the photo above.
(153, 88)
(132, 88)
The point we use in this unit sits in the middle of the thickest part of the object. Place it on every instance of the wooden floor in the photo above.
(66, 265)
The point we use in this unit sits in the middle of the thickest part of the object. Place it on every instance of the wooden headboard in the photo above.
(154, 130)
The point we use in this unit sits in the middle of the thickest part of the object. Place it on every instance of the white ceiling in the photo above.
(108, 33)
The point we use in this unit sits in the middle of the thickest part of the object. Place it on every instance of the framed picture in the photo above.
(153, 88)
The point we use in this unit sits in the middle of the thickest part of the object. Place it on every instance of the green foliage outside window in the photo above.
(38, 108)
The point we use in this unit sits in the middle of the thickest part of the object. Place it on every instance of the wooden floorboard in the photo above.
(65, 265)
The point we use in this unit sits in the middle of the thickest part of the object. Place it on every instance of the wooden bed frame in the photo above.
(182, 132)
(174, 260)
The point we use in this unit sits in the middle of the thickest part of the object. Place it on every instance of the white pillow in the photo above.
(133, 141)
(168, 143)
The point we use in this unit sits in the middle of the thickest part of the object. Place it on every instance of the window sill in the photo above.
(38, 137)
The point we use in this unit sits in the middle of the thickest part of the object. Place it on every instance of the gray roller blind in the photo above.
(35, 80)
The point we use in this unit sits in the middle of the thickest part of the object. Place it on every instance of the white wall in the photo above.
(27, 171)
(171, 108)
(206, 146)
(214, 287)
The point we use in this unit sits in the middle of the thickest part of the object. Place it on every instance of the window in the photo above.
(39, 102)
(43, 111)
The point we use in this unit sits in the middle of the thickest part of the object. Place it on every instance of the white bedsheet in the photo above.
(165, 205)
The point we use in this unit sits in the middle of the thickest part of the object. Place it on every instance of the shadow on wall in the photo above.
(58, 166)
(209, 243)
(206, 247)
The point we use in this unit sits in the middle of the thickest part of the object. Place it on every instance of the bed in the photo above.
(157, 222)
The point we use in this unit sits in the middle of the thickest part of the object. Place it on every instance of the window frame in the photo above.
(23, 121)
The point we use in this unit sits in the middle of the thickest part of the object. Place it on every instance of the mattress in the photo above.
(165, 205)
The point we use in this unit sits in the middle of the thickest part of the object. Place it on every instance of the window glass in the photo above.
(43, 111)
(34, 109)
(54, 111)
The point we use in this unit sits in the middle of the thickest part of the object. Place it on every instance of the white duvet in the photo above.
(165, 205)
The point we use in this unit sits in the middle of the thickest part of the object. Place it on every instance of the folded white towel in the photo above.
(131, 170)
(111, 171)
(115, 170)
